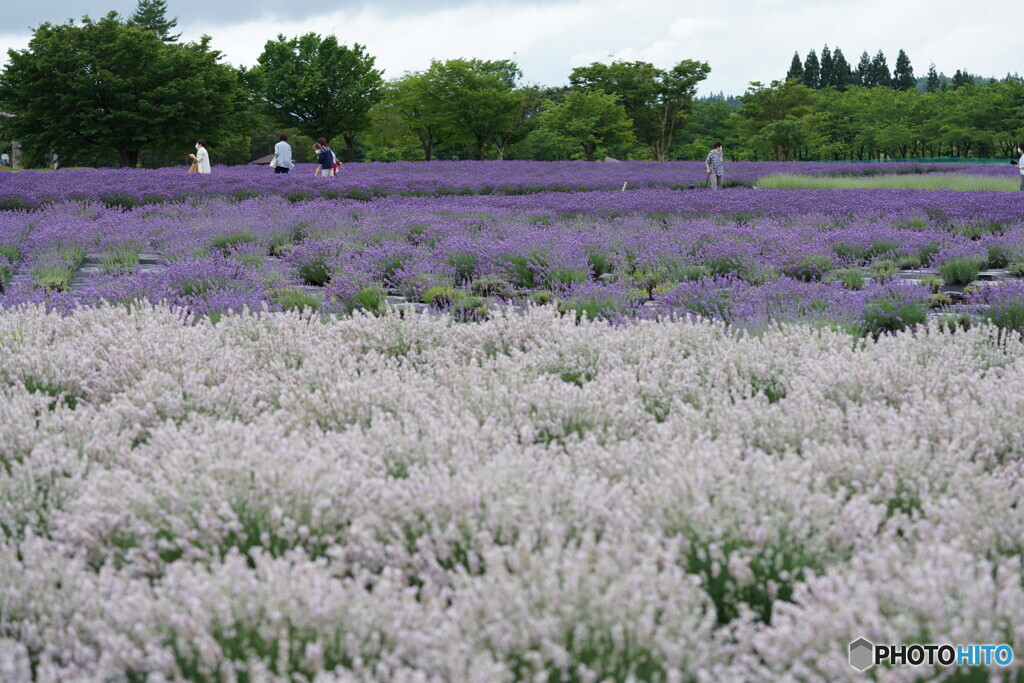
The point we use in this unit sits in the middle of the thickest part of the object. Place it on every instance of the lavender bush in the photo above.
(516, 248)
(528, 497)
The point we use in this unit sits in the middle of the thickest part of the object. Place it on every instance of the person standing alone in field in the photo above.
(1020, 165)
(716, 170)
(201, 158)
(283, 155)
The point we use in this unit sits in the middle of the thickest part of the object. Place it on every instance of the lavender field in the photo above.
(505, 421)
(130, 187)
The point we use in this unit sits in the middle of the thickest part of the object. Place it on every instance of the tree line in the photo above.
(127, 91)
(131, 92)
(832, 70)
(787, 120)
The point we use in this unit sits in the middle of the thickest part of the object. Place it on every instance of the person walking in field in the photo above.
(1020, 165)
(283, 155)
(201, 158)
(324, 160)
(714, 166)
(334, 157)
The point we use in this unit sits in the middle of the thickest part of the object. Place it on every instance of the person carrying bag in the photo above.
(201, 159)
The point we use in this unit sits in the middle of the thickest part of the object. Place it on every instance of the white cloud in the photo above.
(409, 42)
(12, 41)
(691, 28)
(743, 41)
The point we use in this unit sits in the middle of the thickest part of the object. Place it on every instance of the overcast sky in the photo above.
(743, 40)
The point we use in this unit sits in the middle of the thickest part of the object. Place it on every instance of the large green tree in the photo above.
(1006, 101)
(777, 117)
(833, 116)
(318, 86)
(541, 143)
(476, 98)
(659, 101)
(106, 87)
(524, 119)
(712, 119)
(407, 109)
(592, 119)
(674, 104)
(891, 120)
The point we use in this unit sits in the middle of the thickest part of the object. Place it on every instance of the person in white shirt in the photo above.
(1020, 165)
(201, 157)
(283, 155)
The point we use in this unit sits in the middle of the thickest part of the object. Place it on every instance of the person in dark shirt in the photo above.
(334, 157)
(324, 160)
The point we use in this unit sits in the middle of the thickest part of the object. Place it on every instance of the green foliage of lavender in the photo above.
(960, 271)
(961, 182)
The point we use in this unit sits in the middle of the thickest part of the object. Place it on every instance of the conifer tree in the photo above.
(962, 78)
(864, 74)
(796, 69)
(932, 84)
(827, 68)
(842, 71)
(152, 16)
(812, 70)
(903, 74)
(880, 70)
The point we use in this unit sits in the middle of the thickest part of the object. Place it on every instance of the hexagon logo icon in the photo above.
(862, 654)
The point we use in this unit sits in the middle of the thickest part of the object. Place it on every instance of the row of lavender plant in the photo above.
(745, 257)
(274, 498)
(126, 188)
